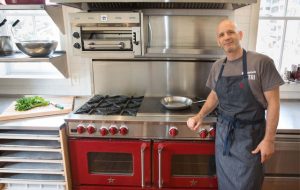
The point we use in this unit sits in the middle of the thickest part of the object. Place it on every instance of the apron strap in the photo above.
(245, 70)
(222, 68)
(234, 123)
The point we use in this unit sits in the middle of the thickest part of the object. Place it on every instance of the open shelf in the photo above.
(58, 59)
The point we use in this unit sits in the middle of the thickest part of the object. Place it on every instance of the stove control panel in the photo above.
(139, 130)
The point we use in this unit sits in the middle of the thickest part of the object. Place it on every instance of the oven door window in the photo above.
(192, 165)
(110, 163)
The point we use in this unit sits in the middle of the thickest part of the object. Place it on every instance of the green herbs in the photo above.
(27, 103)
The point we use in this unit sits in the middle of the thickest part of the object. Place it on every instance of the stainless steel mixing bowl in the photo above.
(37, 48)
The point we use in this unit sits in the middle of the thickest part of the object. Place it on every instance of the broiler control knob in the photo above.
(113, 129)
(103, 131)
(77, 45)
(91, 129)
(123, 130)
(212, 132)
(203, 133)
(80, 129)
(173, 131)
(76, 35)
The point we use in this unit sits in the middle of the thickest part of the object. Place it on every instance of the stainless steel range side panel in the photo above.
(151, 78)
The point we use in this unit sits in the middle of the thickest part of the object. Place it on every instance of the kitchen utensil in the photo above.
(6, 44)
(57, 106)
(178, 102)
(3, 22)
(37, 48)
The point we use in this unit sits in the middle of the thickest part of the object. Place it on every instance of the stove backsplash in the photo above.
(151, 78)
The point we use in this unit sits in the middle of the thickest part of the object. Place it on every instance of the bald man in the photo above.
(243, 86)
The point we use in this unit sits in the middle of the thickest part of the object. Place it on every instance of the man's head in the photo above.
(228, 36)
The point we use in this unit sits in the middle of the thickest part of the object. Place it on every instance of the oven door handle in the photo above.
(160, 149)
(106, 46)
(143, 148)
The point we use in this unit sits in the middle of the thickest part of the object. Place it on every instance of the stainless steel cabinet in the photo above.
(33, 159)
(282, 171)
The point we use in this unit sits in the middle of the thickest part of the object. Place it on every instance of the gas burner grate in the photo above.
(117, 99)
(95, 99)
(86, 108)
(129, 112)
(107, 111)
(111, 105)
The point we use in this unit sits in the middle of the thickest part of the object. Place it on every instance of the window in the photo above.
(278, 32)
(33, 25)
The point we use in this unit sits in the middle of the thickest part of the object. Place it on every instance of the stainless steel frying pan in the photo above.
(177, 102)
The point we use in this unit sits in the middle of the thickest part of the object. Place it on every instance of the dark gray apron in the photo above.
(240, 128)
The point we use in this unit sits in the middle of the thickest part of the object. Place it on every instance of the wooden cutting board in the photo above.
(65, 101)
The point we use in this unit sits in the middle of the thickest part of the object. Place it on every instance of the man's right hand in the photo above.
(194, 122)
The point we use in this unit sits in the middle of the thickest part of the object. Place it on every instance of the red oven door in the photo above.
(184, 164)
(110, 162)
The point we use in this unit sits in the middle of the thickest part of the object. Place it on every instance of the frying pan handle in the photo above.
(199, 101)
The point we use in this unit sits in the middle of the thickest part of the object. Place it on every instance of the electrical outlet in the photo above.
(75, 79)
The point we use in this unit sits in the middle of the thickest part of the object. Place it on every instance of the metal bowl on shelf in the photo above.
(37, 48)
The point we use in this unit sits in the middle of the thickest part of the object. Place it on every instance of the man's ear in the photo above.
(241, 35)
(218, 43)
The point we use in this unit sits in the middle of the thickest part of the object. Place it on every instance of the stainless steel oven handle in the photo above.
(160, 149)
(143, 148)
(99, 46)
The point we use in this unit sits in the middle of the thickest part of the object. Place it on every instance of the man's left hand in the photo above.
(266, 149)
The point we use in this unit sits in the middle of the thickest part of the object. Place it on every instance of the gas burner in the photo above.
(107, 111)
(133, 104)
(86, 108)
(111, 105)
(105, 104)
(129, 112)
(117, 99)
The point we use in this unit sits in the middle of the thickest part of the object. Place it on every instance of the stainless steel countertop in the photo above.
(289, 121)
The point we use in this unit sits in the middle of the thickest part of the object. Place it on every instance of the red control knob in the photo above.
(91, 129)
(203, 133)
(212, 132)
(123, 130)
(80, 129)
(173, 131)
(113, 129)
(103, 131)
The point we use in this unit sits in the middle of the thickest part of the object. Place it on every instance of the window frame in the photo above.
(12, 71)
(285, 20)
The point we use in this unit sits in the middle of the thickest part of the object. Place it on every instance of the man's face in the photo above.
(228, 37)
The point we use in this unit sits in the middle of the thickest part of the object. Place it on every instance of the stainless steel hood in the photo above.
(97, 5)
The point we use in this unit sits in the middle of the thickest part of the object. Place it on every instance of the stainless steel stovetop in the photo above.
(137, 118)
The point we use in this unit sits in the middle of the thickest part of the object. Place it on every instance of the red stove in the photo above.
(121, 142)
